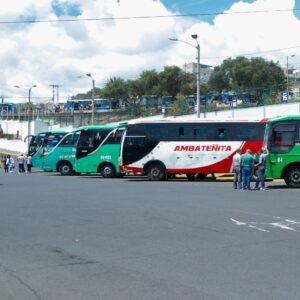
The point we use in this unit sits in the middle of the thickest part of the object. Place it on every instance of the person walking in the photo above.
(5, 167)
(261, 169)
(10, 164)
(236, 167)
(28, 163)
(247, 163)
(21, 163)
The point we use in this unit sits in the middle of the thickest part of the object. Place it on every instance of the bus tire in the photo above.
(190, 177)
(156, 172)
(65, 169)
(201, 176)
(107, 171)
(292, 176)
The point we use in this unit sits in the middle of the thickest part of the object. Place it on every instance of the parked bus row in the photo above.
(163, 148)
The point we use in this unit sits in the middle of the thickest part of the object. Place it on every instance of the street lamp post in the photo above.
(29, 102)
(194, 36)
(93, 96)
(287, 71)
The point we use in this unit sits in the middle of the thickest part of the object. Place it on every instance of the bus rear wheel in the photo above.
(190, 177)
(107, 171)
(156, 172)
(65, 169)
(292, 176)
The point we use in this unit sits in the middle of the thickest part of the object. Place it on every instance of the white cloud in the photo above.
(235, 34)
(55, 53)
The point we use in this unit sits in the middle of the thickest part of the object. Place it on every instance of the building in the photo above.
(205, 71)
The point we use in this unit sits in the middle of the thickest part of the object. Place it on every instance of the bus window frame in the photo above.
(61, 145)
(282, 148)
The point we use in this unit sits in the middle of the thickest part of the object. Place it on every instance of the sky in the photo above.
(125, 37)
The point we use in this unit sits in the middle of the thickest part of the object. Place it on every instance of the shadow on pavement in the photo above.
(278, 187)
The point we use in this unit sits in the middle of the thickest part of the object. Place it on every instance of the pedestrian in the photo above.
(21, 163)
(5, 165)
(3, 162)
(247, 164)
(261, 169)
(28, 163)
(10, 164)
(236, 167)
(256, 161)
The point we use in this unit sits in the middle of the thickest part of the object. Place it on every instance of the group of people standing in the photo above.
(244, 167)
(9, 163)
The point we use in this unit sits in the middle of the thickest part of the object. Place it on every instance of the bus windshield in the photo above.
(44, 139)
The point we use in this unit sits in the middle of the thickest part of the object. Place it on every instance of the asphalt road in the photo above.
(90, 238)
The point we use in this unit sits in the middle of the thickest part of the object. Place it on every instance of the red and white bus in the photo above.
(195, 148)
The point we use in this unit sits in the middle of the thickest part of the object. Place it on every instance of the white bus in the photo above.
(195, 148)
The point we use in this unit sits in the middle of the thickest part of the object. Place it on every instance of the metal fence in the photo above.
(209, 103)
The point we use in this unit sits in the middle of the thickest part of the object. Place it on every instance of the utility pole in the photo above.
(57, 86)
(287, 71)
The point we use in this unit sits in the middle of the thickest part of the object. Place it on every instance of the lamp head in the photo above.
(89, 74)
(195, 36)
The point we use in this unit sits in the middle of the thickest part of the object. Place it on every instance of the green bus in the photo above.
(86, 150)
(282, 137)
(42, 142)
(98, 150)
(61, 158)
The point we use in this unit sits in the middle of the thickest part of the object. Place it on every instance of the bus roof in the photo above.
(52, 131)
(285, 118)
(169, 121)
(106, 126)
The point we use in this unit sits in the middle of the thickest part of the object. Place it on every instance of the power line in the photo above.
(254, 53)
(150, 17)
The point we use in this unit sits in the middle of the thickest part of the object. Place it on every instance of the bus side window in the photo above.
(221, 132)
(181, 131)
(115, 137)
(283, 138)
(297, 138)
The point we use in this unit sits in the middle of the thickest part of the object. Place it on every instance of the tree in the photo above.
(180, 106)
(117, 89)
(149, 81)
(170, 81)
(243, 73)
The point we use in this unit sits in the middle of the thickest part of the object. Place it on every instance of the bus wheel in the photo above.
(190, 177)
(156, 172)
(65, 169)
(201, 176)
(107, 171)
(292, 177)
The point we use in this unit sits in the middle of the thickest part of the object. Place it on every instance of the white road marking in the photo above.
(286, 224)
(238, 223)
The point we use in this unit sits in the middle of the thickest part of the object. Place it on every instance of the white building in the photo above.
(205, 70)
